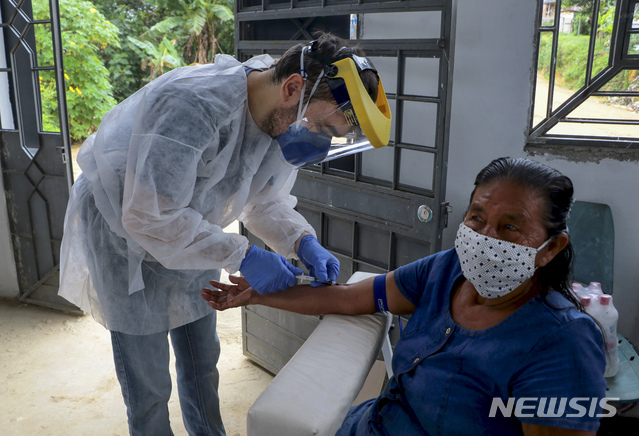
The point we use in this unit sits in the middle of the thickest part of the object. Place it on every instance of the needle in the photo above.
(305, 278)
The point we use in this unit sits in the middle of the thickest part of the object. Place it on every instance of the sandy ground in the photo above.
(57, 376)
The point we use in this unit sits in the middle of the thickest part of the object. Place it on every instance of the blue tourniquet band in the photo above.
(379, 293)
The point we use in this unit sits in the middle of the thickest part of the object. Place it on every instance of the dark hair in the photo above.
(327, 49)
(557, 192)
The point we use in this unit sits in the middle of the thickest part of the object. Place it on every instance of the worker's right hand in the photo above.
(268, 272)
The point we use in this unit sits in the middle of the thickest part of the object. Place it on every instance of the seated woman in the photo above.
(493, 320)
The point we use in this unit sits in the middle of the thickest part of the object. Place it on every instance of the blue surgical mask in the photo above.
(302, 147)
(299, 145)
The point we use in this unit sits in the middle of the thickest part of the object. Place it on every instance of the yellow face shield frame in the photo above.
(374, 118)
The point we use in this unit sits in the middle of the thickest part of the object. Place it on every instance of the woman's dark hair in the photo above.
(326, 49)
(557, 192)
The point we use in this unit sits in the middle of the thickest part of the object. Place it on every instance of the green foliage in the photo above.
(226, 32)
(197, 29)
(582, 25)
(203, 21)
(571, 58)
(588, 4)
(606, 22)
(158, 58)
(584, 11)
(157, 35)
(85, 35)
(572, 53)
(132, 18)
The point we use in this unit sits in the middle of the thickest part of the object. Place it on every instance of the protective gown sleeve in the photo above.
(171, 131)
(273, 219)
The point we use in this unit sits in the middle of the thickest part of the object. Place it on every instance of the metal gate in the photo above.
(383, 208)
(37, 173)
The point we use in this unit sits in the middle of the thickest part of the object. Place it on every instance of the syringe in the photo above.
(305, 278)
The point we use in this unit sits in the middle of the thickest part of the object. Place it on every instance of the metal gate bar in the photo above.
(36, 166)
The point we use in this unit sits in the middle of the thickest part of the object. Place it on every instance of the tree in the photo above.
(157, 58)
(85, 34)
(200, 19)
(588, 4)
(132, 18)
(584, 11)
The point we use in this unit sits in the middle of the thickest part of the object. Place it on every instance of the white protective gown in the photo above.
(168, 169)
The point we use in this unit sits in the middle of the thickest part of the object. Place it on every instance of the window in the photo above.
(587, 85)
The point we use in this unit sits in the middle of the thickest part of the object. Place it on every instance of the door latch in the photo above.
(445, 209)
(63, 155)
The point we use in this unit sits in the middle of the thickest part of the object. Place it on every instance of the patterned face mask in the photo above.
(493, 266)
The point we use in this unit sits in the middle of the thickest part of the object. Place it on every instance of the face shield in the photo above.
(356, 124)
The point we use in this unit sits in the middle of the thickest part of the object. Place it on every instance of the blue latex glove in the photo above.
(320, 263)
(268, 272)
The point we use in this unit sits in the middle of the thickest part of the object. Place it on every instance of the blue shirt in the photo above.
(446, 376)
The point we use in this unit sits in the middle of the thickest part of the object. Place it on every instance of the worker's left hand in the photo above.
(320, 263)
(267, 271)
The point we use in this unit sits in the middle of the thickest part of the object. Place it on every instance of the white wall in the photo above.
(492, 85)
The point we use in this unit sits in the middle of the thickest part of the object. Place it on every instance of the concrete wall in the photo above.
(492, 86)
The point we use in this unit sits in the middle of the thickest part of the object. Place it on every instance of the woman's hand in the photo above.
(229, 296)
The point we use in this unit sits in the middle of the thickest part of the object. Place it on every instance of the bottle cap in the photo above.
(595, 288)
(585, 300)
(604, 300)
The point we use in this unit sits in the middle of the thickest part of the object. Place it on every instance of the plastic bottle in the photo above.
(591, 306)
(600, 307)
(585, 302)
(578, 289)
(608, 316)
(594, 289)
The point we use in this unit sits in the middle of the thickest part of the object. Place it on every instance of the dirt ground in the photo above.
(57, 376)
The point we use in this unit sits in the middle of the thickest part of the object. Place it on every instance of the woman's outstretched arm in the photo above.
(352, 299)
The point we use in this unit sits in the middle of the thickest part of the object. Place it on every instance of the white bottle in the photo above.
(591, 305)
(586, 301)
(578, 289)
(594, 290)
(608, 317)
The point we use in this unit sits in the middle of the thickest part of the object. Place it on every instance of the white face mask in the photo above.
(493, 266)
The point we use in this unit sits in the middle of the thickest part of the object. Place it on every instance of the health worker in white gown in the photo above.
(173, 165)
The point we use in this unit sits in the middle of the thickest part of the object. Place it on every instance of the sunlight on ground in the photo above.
(593, 107)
